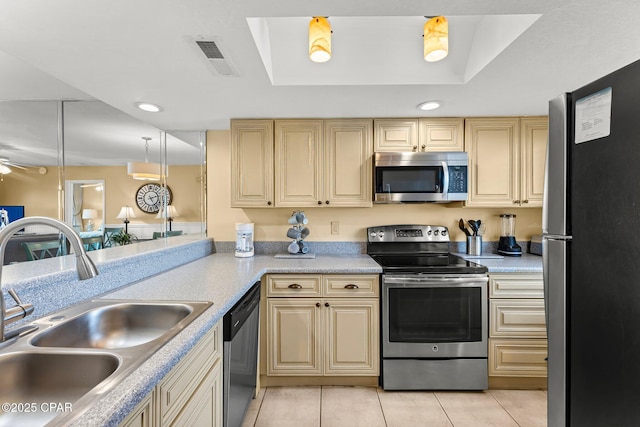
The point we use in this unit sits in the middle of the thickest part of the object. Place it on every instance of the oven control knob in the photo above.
(381, 234)
(443, 233)
(372, 234)
(429, 233)
(435, 348)
(436, 232)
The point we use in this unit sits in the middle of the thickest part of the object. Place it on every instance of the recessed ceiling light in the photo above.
(145, 106)
(429, 105)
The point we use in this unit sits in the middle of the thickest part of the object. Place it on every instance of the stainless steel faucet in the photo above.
(84, 265)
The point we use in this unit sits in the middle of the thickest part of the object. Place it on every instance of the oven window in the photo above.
(409, 179)
(427, 315)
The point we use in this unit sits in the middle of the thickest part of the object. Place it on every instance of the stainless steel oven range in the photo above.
(434, 311)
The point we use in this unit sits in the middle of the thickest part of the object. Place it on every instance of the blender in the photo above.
(507, 244)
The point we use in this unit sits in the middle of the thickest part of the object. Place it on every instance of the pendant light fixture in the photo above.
(319, 39)
(144, 171)
(436, 38)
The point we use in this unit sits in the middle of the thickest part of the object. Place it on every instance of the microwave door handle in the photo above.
(445, 180)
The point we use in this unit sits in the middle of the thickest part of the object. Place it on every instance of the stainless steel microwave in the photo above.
(414, 177)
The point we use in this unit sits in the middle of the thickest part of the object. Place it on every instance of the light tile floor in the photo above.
(370, 407)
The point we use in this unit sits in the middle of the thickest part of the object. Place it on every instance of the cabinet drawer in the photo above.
(290, 285)
(518, 285)
(517, 358)
(359, 285)
(517, 318)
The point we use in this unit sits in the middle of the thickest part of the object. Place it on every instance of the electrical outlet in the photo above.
(335, 227)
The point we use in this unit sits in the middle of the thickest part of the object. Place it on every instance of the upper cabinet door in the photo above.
(396, 135)
(534, 137)
(252, 164)
(298, 150)
(493, 145)
(347, 162)
(441, 134)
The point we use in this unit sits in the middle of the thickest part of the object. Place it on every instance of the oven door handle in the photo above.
(436, 280)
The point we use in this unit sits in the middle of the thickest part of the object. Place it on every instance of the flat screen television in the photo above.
(13, 212)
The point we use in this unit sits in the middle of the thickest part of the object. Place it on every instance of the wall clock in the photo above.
(151, 197)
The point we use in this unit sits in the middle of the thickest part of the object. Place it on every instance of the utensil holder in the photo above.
(474, 245)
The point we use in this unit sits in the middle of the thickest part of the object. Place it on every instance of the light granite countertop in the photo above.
(526, 263)
(220, 278)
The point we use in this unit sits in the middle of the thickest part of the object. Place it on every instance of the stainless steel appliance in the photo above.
(413, 177)
(590, 253)
(434, 311)
(240, 356)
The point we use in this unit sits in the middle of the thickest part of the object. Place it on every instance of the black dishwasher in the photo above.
(240, 356)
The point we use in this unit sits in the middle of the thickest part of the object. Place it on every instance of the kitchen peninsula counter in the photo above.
(220, 278)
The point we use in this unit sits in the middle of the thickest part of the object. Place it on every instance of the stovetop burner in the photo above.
(416, 249)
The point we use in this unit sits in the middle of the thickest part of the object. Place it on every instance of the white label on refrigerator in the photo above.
(593, 116)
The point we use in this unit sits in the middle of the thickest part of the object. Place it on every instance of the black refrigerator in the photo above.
(591, 253)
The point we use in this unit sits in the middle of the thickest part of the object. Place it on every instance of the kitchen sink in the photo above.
(115, 326)
(35, 387)
(77, 355)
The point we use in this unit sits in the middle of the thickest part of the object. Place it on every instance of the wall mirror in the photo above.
(83, 147)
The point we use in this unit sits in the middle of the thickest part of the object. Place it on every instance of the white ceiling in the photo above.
(122, 52)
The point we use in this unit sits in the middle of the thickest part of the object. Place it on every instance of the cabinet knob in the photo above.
(295, 286)
(317, 304)
(415, 148)
(351, 286)
(326, 304)
(269, 203)
(525, 201)
(319, 202)
(424, 147)
(516, 202)
(327, 202)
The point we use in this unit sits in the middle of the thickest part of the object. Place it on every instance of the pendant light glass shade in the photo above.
(436, 39)
(4, 170)
(319, 39)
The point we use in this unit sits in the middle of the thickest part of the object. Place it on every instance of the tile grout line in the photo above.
(321, 393)
(260, 406)
(505, 409)
(442, 407)
(381, 407)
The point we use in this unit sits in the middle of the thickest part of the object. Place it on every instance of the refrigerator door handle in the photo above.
(555, 258)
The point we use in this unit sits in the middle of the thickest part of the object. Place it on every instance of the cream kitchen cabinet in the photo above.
(425, 134)
(517, 329)
(334, 333)
(506, 161)
(441, 134)
(252, 164)
(323, 163)
(143, 414)
(191, 394)
(395, 135)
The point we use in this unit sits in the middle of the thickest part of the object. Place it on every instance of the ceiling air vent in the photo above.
(216, 56)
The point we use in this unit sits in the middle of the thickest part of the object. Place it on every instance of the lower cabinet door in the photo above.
(142, 416)
(351, 329)
(294, 336)
(204, 409)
